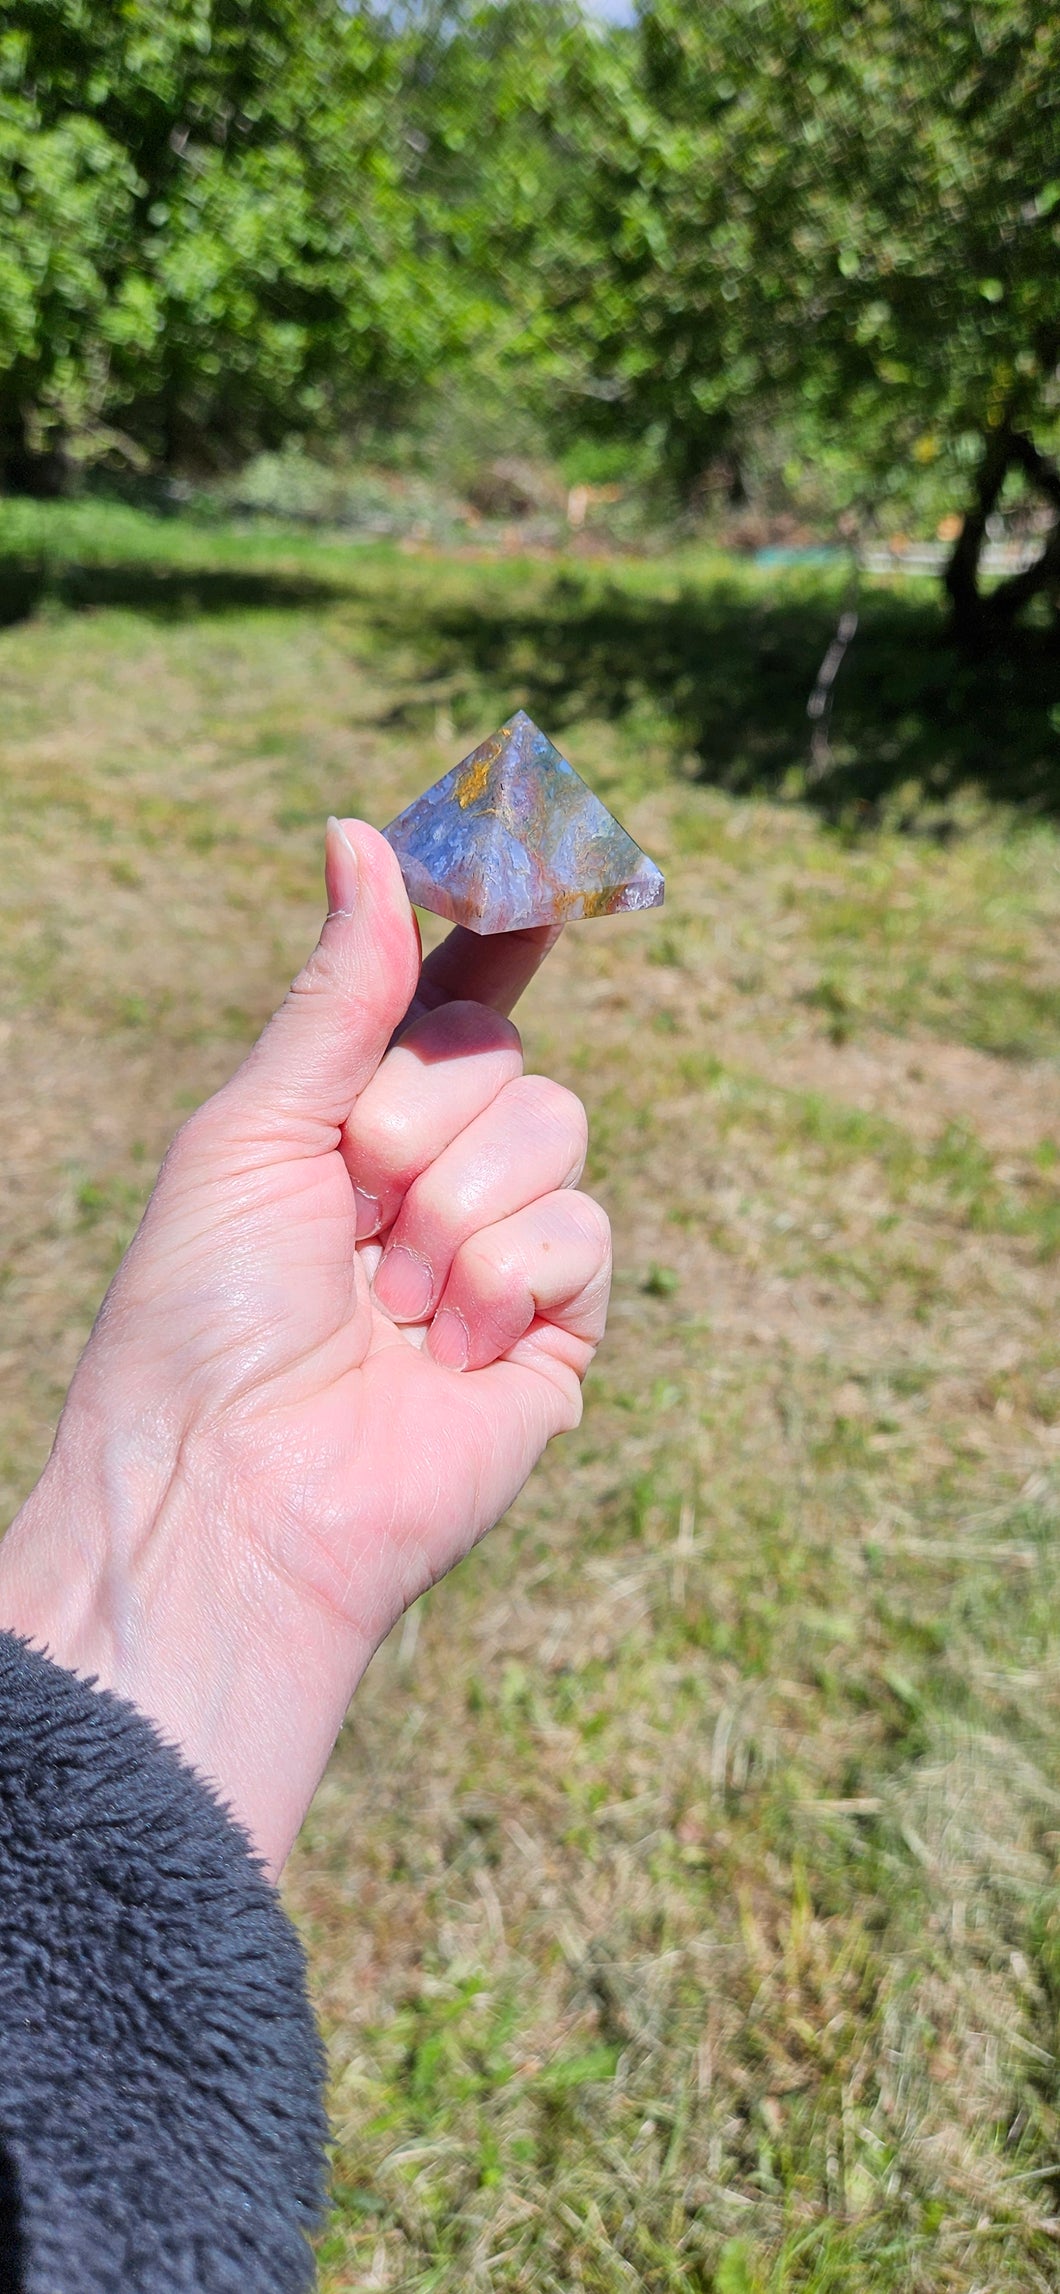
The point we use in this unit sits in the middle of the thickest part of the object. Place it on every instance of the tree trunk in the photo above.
(23, 469)
(978, 621)
(962, 573)
(1006, 601)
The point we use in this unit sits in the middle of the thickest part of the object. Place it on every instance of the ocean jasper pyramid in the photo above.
(513, 837)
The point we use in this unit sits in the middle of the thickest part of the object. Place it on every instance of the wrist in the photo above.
(53, 1566)
(128, 1567)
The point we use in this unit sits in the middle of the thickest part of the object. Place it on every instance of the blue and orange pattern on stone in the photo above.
(513, 837)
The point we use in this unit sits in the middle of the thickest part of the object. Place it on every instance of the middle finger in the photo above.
(446, 1069)
(529, 1142)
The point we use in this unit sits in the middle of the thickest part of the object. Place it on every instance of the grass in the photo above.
(682, 1899)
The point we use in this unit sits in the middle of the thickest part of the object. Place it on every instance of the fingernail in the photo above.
(404, 1285)
(448, 1340)
(342, 872)
(367, 1214)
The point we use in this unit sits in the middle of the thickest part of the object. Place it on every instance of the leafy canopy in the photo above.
(852, 212)
(206, 239)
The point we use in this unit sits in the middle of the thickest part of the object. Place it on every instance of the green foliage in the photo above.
(494, 162)
(768, 238)
(790, 205)
(205, 239)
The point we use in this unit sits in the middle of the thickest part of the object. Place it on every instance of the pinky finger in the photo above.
(548, 1264)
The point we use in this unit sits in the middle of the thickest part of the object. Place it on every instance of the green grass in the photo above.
(682, 1898)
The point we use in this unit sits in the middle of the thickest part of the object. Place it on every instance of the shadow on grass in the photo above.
(912, 725)
(729, 665)
(171, 593)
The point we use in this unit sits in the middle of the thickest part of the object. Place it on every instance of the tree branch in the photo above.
(1036, 466)
(1006, 601)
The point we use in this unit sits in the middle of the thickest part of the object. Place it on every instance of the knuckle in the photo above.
(384, 1135)
(323, 972)
(482, 1267)
(593, 1223)
(556, 1109)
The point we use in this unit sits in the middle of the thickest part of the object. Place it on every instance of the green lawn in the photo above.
(682, 1899)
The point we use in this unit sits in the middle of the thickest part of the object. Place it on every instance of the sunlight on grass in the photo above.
(682, 1897)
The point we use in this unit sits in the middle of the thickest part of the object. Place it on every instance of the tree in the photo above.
(206, 240)
(494, 156)
(848, 216)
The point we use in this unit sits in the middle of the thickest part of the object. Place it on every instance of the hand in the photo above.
(361, 1300)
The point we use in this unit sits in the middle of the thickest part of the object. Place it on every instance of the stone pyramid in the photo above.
(512, 837)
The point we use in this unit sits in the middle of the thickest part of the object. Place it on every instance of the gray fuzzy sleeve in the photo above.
(161, 2123)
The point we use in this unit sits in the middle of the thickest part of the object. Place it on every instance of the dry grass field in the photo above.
(682, 1900)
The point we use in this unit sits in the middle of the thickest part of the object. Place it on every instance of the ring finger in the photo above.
(550, 1262)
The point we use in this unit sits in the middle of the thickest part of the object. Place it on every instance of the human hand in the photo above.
(362, 1299)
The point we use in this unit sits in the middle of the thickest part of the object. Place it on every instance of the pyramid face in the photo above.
(512, 837)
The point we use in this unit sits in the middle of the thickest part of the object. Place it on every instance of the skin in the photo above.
(362, 1299)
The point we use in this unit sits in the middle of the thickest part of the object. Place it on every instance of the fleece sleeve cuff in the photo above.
(161, 2122)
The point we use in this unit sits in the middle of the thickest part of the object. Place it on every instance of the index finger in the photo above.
(479, 968)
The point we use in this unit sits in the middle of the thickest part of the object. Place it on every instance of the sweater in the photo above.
(161, 2117)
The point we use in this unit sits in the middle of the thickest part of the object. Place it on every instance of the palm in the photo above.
(364, 1467)
(357, 1432)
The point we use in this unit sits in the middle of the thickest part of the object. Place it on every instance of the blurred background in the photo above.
(682, 1900)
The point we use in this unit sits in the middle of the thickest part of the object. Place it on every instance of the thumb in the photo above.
(327, 1039)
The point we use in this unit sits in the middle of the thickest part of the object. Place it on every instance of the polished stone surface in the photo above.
(512, 837)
